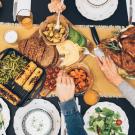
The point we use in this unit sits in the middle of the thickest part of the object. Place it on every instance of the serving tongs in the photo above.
(57, 26)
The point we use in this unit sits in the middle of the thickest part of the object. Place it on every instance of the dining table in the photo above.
(40, 12)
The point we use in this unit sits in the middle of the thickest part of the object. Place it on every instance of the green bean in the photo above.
(10, 67)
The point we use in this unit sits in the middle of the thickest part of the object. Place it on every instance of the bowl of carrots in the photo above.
(82, 76)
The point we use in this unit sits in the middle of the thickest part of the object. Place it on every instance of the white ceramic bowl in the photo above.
(11, 37)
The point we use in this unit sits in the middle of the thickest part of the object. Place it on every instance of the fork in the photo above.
(57, 26)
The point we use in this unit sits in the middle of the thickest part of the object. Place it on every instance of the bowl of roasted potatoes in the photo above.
(50, 35)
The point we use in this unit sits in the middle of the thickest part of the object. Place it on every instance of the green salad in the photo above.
(105, 122)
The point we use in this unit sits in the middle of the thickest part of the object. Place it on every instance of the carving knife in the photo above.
(97, 51)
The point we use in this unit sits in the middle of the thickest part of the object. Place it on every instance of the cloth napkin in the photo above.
(23, 4)
(128, 6)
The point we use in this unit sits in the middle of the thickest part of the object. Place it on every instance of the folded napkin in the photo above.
(128, 6)
(24, 4)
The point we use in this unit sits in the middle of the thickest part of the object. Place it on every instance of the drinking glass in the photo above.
(25, 18)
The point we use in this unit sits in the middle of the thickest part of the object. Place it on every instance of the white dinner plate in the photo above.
(112, 106)
(39, 117)
(97, 10)
(5, 113)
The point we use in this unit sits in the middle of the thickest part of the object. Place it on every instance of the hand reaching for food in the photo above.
(110, 70)
(56, 6)
(65, 87)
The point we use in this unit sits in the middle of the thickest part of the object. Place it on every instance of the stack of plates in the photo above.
(97, 10)
(39, 117)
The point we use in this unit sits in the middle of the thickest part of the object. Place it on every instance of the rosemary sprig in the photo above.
(114, 46)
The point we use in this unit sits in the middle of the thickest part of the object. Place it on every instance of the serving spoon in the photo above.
(57, 26)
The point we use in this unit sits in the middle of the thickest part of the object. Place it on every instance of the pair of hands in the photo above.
(56, 6)
(65, 87)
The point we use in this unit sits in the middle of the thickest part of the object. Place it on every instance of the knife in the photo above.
(15, 10)
(97, 51)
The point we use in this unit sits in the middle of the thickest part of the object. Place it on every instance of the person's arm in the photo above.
(73, 119)
(56, 6)
(65, 90)
(128, 92)
(110, 71)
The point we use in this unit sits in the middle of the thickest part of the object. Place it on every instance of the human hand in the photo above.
(110, 70)
(65, 87)
(56, 6)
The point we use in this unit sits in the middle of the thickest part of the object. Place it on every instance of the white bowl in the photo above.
(11, 37)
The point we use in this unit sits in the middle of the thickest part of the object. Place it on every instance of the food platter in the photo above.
(91, 112)
(61, 54)
(97, 10)
(5, 113)
(19, 87)
(121, 50)
(37, 117)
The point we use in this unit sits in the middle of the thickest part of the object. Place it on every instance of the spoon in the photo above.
(2, 129)
(57, 26)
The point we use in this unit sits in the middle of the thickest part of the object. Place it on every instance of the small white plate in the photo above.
(34, 117)
(112, 106)
(97, 10)
(5, 113)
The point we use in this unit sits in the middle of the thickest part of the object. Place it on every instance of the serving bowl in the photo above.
(47, 30)
(88, 81)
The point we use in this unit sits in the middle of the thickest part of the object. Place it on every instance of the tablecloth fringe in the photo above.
(86, 26)
(14, 24)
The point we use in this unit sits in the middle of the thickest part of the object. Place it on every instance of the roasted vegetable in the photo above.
(10, 66)
(30, 83)
(8, 95)
(25, 74)
(80, 78)
(52, 35)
